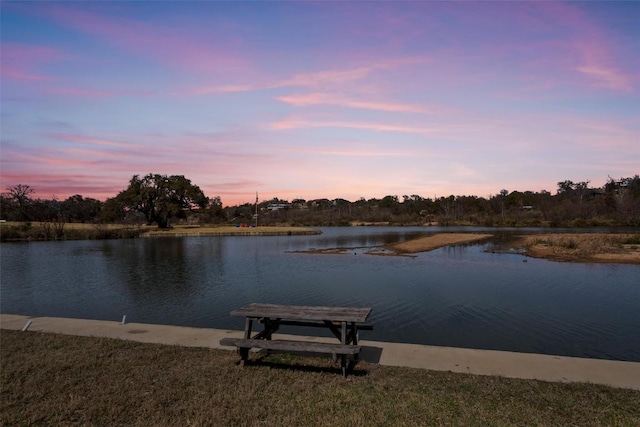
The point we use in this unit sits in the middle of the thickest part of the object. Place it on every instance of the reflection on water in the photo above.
(472, 295)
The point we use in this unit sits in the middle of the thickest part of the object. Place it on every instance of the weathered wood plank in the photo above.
(293, 312)
(298, 346)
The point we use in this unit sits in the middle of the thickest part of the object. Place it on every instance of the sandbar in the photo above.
(428, 243)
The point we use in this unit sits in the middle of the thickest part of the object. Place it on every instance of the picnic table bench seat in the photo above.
(244, 345)
(289, 345)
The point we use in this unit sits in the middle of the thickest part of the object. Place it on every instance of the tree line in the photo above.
(575, 204)
(164, 201)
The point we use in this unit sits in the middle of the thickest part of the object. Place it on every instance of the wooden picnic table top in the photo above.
(304, 312)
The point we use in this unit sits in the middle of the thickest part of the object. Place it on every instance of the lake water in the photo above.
(462, 296)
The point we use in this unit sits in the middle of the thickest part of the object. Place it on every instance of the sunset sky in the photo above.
(319, 99)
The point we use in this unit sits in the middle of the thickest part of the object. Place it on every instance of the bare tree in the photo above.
(20, 194)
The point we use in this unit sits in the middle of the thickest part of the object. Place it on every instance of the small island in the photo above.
(428, 243)
(583, 247)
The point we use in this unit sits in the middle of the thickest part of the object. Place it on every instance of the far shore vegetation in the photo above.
(50, 379)
(168, 201)
(171, 205)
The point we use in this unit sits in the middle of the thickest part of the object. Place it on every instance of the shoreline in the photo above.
(232, 231)
(583, 247)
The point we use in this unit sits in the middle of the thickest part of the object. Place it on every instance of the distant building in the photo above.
(277, 206)
(299, 204)
(321, 203)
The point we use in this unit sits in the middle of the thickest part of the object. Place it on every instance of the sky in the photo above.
(310, 100)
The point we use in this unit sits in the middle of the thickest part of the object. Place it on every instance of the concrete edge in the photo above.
(613, 373)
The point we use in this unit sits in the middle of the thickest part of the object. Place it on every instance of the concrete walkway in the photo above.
(480, 362)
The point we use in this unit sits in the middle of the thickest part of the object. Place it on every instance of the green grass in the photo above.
(50, 379)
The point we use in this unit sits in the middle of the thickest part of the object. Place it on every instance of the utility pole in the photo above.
(256, 214)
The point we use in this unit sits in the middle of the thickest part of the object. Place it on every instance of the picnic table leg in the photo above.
(343, 357)
(247, 328)
(354, 336)
(268, 327)
(244, 352)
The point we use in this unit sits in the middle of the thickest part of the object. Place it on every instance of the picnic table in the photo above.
(343, 322)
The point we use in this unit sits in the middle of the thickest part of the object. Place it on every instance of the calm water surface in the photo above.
(463, 296)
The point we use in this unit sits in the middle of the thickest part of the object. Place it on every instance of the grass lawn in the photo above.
(50, 379)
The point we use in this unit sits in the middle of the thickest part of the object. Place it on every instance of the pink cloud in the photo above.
(21, 61)
(354, 153)
(21, 75)
(593, 47)
(84, 93)
(86, 152)
(332, 78)
(331, 99)
(63, 186)
(44, 159)
(67, 163)
(223, 154)
(547, 45)
(158, 42)
(303, 123)
(206, 90)
(92, 141)
(442, 130)
(607, 77)
(311, 99)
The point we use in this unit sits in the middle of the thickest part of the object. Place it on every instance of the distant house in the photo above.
(277, 206)
(299, 204)
(320, 203)
(592, 193)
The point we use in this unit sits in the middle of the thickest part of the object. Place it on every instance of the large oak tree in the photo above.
(162, 197)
